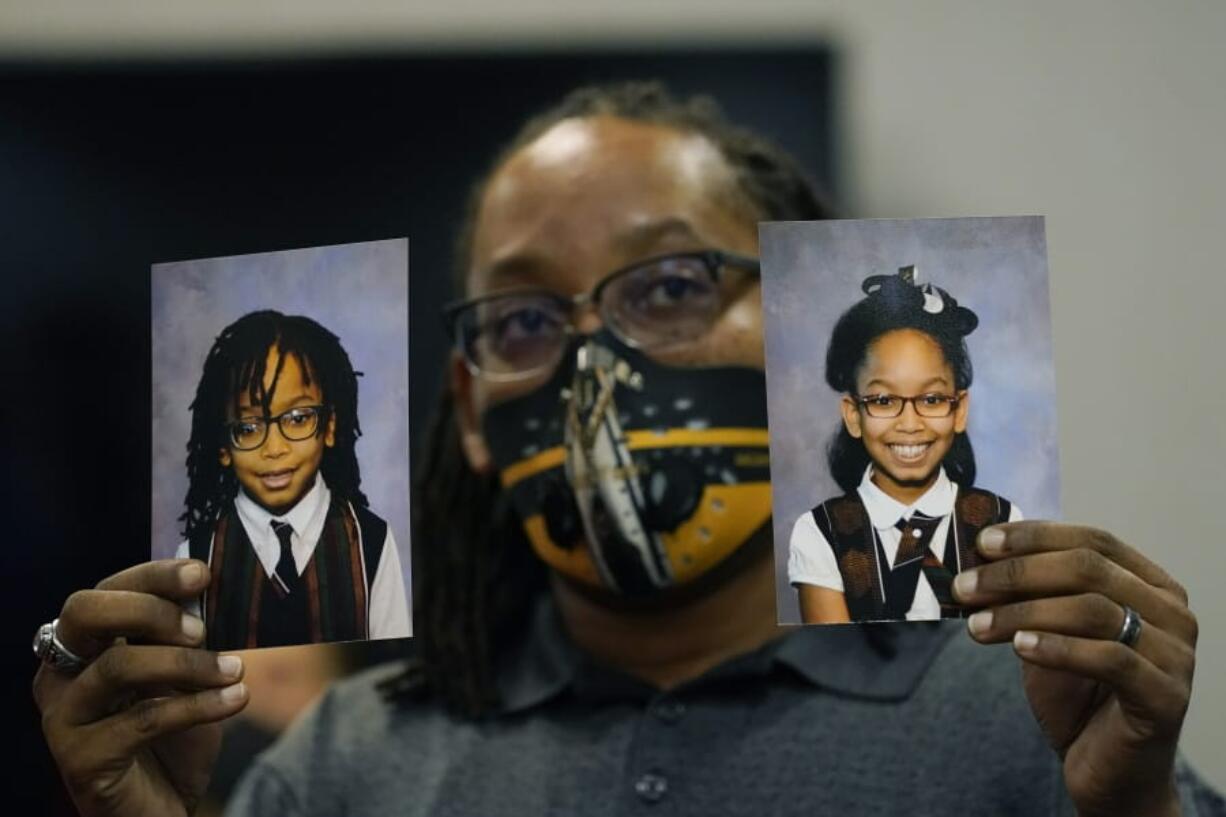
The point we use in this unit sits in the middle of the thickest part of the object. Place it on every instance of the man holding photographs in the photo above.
(641, 677)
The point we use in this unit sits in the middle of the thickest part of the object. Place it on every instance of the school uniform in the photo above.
(324, 571)
(886, 557)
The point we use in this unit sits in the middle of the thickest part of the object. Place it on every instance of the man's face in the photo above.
(281, 471)
(593, 195)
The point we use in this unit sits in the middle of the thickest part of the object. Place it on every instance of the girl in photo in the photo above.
(889, 547)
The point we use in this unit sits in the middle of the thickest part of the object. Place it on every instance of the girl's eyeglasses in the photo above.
(300, 423)
(654, 303)
(889, 406)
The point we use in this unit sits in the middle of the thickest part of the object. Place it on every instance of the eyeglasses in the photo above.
(889, 406)
(651, 304)
(297, 424)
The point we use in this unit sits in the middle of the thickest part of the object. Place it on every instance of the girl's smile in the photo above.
(909, 454)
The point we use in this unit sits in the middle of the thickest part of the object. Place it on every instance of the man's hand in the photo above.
(1113, 712)
(136, 732)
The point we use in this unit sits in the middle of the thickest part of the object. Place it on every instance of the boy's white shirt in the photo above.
(389, 611)
(811, 559)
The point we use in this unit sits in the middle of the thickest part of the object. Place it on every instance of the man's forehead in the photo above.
(601, 181)
(581, 149)
(565, 142)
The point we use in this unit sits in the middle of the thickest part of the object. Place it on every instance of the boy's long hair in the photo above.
(896, 304)
(476, 576)
(236, 364)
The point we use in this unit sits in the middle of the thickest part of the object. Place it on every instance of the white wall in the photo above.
(1107, 117)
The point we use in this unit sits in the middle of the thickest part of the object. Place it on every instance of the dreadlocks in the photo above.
(477, 576)
(236, 364)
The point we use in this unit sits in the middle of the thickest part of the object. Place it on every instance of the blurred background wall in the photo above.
(1107, 117)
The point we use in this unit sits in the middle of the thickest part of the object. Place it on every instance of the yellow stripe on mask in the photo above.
(517, 471)
(681, 437)
(642, 440)
(726, 517)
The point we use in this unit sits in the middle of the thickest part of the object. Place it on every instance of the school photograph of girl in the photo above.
(891, 493)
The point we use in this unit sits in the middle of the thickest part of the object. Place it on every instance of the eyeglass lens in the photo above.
(295, 424)
(671, 300)
(514, 333)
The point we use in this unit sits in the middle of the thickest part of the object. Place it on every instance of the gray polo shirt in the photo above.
(916, 720)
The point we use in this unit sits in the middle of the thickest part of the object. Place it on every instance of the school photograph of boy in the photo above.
(275, 504)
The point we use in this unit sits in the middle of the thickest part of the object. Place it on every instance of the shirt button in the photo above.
(670, 711)
(916, 532)
(651, 787)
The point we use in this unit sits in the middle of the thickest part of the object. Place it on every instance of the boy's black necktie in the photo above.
(287, 572)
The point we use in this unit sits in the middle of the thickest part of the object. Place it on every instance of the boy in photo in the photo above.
(274, 504)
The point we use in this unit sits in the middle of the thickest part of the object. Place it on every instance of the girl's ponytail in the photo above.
(847, 459)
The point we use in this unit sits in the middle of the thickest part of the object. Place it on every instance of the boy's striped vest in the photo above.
(845, 523)
(242, 608)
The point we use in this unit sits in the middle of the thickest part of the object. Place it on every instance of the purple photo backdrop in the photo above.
(358, 291)
(997, 267)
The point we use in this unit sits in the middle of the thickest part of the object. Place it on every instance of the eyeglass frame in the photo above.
(951, 401)
(322, 412)
(713, 260)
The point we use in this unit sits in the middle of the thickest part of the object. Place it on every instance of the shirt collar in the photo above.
(883, 662)
(885, 511)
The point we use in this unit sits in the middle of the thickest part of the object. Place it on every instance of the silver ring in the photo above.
(1130, 632)
(52, 652)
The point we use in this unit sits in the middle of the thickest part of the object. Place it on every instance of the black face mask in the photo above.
(631, 475)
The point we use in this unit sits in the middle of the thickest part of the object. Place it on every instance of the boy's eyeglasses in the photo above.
(653, 303)
(889, 406)
(299, 423)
